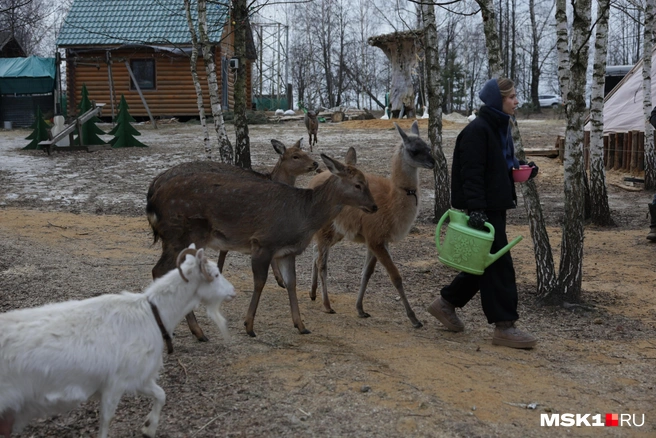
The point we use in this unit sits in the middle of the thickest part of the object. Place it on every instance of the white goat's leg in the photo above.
(153, 390)
(367, 270)
(287, 265)
(108, 403)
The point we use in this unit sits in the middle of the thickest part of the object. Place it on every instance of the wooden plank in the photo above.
(606, 142)
(143, 99)
(618, 152)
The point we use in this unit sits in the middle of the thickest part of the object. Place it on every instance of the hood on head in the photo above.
(491, 95)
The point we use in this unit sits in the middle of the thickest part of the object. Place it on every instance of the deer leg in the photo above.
(322, 267)
(276, 273)
(315, 277)
(287, 266)
(381, 252)
(367, 271)
(221, 261)
(260, 262)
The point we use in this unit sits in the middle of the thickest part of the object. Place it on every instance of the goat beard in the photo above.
(214, 313)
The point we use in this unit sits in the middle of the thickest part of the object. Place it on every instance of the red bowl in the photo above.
(522, 174)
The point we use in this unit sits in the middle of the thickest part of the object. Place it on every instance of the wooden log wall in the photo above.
(174, 95)
(622, 150)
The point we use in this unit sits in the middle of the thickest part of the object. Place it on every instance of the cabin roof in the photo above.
(147, 22)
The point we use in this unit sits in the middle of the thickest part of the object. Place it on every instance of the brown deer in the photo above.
(241, 212)
(312, 126)
(397, 198)
(293, 162)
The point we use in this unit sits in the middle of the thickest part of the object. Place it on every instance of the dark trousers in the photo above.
(497, 284)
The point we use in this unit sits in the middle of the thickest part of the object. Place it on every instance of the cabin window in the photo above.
(144, 73)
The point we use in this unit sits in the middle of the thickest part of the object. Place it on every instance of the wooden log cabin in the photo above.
(102, 38)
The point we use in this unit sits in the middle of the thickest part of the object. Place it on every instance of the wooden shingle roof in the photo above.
(149, 22)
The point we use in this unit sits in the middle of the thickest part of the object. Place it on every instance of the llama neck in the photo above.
(403, 175)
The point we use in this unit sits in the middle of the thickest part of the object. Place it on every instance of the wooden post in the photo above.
(611, 151)
(626, 155)
(634, 151)
(617, 159)
(641, 151)
(143, 99)
(561, 149)
(606, 151)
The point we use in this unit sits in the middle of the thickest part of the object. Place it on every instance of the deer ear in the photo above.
(333, 165)
(299, 143)
(351, 157)
(415, 128)
(278, 147)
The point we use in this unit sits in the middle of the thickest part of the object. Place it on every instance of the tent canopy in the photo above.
(32, 75)
(623, 106)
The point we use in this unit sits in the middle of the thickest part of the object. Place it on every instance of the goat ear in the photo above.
(403, 135)
(415, 128)
(351, 157)
(278, 146)
(200, 254)
(333, 165)
(192, 246)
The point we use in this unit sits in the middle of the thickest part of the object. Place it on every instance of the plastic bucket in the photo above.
(7, 124)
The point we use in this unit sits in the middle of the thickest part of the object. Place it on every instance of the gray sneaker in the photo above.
(508, 335)
(445, 312)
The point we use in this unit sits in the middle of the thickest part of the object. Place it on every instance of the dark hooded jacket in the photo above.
(481, 173)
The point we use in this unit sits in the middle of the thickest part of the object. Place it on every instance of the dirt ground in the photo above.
(72, 226)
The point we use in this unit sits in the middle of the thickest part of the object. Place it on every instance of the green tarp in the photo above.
(31, 75)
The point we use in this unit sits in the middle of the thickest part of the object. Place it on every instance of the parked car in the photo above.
(549, 100)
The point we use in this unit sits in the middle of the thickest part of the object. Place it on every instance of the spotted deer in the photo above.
(242, 212)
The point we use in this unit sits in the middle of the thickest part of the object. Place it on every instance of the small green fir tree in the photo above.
(89, 130)
(39, 133)
(124, 132)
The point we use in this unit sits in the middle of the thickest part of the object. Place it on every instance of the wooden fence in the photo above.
(622, 150)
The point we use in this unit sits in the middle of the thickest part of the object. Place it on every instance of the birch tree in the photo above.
(194, 76)
(648, 44)
(242, 146)
(225, 147)
(434, 91)
(599, 208)
(545, 270)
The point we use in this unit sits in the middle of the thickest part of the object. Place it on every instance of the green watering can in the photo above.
(467, 249)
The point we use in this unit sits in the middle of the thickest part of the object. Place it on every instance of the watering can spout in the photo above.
(494, 257)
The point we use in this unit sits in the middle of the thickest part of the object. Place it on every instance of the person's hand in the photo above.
(534, 168)
(477, 219)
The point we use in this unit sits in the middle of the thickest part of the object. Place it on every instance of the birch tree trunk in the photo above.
(225, 148)
(562, 45)
(492, 40)
(194, 76)
(648, 45)
(545, 268)
(599, 208)
(242, 146)
(571, 259)
(434, 88)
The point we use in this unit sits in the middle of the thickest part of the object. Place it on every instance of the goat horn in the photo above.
(181, 258)
(203, 270)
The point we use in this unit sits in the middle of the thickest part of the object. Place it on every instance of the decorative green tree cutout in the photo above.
(40, 133)
(124, 132)
(88, 130)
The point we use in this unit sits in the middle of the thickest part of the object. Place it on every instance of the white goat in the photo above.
(56, 356)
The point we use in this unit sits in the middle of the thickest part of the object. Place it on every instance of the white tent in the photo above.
(623, 105)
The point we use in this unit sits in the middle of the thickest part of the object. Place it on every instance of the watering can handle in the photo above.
(490, 228)
(438, 229)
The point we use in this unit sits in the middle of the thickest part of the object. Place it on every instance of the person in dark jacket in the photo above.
(482, 184)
